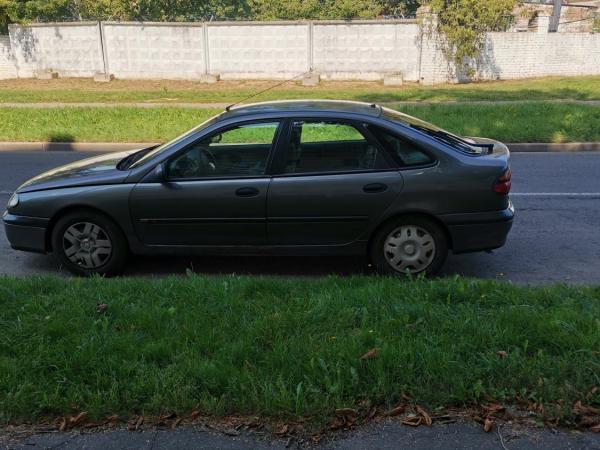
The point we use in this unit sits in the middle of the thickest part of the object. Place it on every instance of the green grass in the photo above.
(527, 122)
(282, 348)
(82, 90)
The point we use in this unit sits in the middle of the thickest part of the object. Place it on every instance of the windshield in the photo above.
(161, 147)
(463, 144)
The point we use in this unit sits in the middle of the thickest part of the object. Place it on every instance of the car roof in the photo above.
(303, 106)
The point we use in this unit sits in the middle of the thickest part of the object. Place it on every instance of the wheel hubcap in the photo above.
(409, 249)
(87, 245)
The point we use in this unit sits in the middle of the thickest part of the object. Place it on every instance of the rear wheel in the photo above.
(89, 243)
(409, 245)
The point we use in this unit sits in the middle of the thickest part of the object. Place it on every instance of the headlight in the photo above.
(13, 201)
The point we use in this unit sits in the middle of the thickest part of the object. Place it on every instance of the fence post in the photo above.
(311, 46)
(205, 48)
(103, 48)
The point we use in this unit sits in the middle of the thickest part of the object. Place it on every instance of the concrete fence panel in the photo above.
(338, 50)
(366, 51)
(267, 50)
(154, 50)
(7, 62)
(70, 49)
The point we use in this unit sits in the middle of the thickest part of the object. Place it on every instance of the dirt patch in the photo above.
(88, 84)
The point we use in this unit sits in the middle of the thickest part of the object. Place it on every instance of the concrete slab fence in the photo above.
(337, 50)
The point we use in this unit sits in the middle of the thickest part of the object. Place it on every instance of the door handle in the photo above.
(374, 187)
(247, 192)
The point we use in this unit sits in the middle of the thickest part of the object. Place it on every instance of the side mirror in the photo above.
(160, 172)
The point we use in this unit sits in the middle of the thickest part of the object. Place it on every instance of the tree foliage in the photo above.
(462, 25)
(194, 10)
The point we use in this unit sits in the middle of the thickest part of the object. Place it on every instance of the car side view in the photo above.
(291, 178)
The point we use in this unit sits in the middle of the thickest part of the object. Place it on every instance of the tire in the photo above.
(409, 245)
(88, 243)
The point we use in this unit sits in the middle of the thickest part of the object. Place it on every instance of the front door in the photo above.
(335, 181)
(215, 191)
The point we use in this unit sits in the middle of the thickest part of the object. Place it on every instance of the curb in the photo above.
(536, 147)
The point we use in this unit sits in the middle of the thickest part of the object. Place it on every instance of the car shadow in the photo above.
(250, 265)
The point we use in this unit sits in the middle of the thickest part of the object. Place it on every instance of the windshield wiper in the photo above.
(126, 162)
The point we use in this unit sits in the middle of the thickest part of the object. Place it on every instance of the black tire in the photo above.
(108, 264)
(433, 260)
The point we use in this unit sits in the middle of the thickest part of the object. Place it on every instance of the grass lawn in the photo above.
(281, 348)
(85, 90)
(525, 122)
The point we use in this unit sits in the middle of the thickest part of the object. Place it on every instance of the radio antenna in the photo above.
(287, 80)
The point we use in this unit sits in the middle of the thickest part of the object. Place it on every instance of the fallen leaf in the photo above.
(283, 430)
(426, 417)
(370, 354)
(345, 412)
(337, 423)
(413, 421)
(63, 424)
(396, 411)
(487, 425)
(73, 421)
(580, 409)
(101, 307)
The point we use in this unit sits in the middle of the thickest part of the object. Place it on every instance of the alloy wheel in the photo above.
(87, 245)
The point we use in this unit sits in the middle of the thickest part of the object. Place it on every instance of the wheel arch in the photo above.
(71, 209)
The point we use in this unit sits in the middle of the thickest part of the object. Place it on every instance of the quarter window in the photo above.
(318, 146)
(405, 151)
(236, 152)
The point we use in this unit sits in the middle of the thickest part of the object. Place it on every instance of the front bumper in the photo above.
(26, 233)
(479, 231)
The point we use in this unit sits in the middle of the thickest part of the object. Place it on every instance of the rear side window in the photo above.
(323, 146)
(407, 153)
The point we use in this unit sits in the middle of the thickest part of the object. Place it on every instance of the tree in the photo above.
(462, 24)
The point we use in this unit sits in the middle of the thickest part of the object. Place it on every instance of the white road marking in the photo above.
(555, 194)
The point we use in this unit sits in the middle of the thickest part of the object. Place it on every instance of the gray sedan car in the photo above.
(291, 177)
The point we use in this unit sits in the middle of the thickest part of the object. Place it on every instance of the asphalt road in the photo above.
(390, 435)
(555, 237)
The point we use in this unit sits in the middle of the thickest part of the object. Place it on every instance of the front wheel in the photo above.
(409, 245)
(89, 243)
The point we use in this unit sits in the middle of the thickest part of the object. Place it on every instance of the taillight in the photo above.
(503, 183)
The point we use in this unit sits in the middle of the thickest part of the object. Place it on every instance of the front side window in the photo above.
(242, 151)
(322, 146)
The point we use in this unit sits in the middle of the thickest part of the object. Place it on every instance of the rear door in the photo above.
(333, 181)
(215, 192)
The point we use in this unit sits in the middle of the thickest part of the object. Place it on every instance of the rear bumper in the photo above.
(479, 231)
(26, 233)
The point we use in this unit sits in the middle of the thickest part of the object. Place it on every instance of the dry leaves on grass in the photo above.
(101, 307)
(370, 354)
(135, 423)
(587, 416)
(68, 422)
